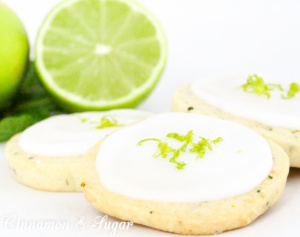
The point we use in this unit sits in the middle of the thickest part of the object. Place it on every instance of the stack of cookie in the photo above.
(197, 172)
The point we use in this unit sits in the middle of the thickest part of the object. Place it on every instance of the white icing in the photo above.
(67, 135)
(235, 166)
(226, 93)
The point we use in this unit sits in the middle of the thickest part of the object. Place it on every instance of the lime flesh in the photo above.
(100, 54)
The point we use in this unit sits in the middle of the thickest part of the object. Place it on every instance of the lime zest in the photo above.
(256, 85)
(200, 147)
(82, 119)
(105, 122)
(163, 148)
(179, 165)
(188, 138)
(108, 121)
(219, 139)
(182, 138)
(294, 89)
(148, 139)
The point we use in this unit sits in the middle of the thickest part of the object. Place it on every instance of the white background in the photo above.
(206, 38)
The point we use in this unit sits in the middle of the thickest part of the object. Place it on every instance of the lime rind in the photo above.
(75, 102)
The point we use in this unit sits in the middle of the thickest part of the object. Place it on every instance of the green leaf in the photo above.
(15, 124)
(32, 104)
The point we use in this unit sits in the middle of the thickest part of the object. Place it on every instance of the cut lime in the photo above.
(100, 54)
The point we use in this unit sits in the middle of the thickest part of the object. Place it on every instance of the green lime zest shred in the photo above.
(200, 147)
(108, 121)
(149, 139)
(179, 165)
(188, 138)
(219, 139)
(182, 138)
(256, 85)
(294, 89)
(164, 149)
(105, 122)
(82, 119)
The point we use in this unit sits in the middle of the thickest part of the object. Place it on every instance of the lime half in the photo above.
(100, 54)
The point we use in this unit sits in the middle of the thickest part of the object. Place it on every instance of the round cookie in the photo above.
(49, 155)
(185, 100)
(172, 206)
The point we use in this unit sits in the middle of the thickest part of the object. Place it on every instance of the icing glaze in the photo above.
(68, 135)
(236, 165)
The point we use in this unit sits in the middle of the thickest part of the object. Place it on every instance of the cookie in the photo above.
(217, 182)
(49, 155)
(287, 134)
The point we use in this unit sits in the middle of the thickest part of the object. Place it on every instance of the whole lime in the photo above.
(14, 54)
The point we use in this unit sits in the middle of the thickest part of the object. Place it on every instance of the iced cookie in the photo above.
(272, 113)
(185, 173)
(49, 155)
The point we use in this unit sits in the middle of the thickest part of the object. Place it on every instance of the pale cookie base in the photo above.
(288, 139)
(58, 174)
(189, 218)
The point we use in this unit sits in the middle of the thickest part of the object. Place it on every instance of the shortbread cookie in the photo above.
(49, 155)
(279, 122)
(186, 174)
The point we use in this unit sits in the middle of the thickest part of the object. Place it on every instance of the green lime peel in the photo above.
(200, 147)
(108, 121)
(105, 122)
(256, 85)
(294, 89)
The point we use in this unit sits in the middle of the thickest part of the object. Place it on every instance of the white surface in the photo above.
(68, 135)
(232, 168)
(227, 94)
(206, 38)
